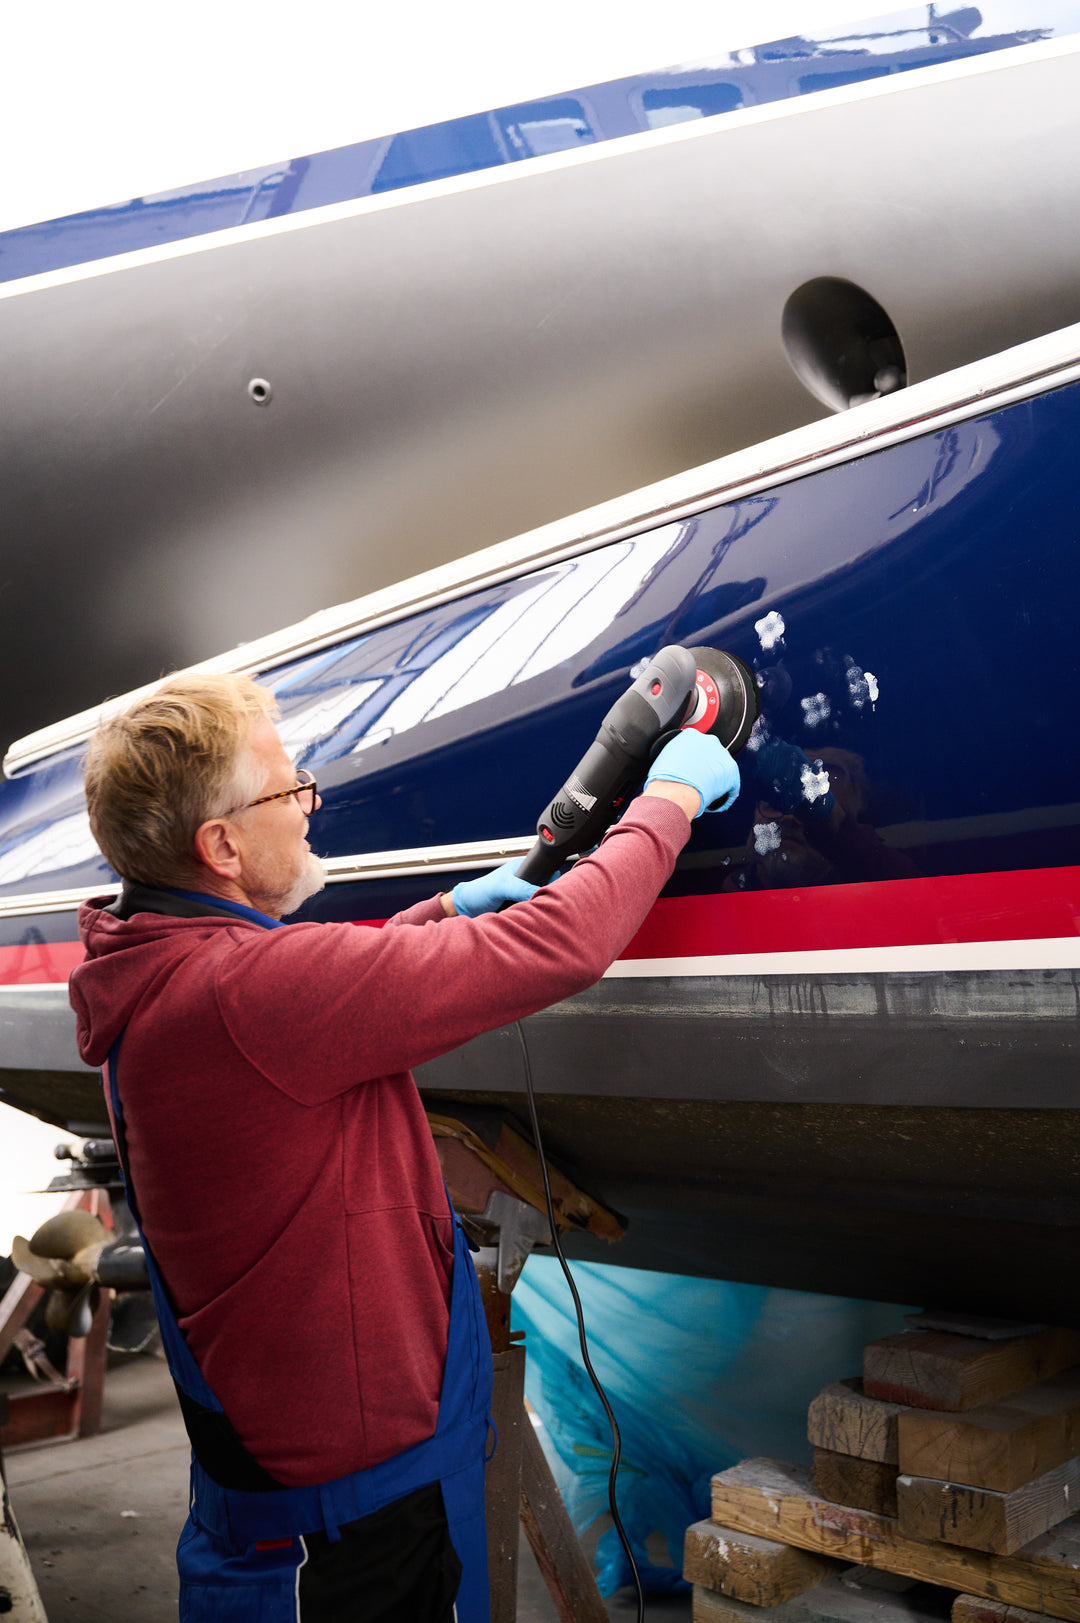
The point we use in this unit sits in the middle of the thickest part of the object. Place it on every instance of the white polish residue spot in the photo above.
(816, 709)
(872, 687)
(815, 781)
(759, 732)
(770, 630)
(766, 838)
(636, 670)
(858, 686)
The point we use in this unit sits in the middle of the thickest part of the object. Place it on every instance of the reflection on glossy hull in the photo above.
(858, 993)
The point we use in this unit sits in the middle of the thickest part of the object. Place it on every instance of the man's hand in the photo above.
(488, 893)
(696, 772)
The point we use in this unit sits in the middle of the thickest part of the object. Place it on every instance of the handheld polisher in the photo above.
(703, 688)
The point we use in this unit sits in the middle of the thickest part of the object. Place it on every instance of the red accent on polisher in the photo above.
(705, 706)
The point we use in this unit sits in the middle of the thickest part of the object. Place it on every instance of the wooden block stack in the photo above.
(966, 1400)
(954, 1462)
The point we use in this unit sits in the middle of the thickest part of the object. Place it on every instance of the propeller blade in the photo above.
(80, 1310)
(66, 1233)
(63, 1256)
(43, 1270)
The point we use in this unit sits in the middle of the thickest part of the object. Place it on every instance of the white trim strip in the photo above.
(43, 991)
(702, 129)
(1057, 952)
(426, 859)
(53, 901)
(983, 386)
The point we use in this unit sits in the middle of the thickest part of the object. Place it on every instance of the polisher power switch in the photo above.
(615, 762)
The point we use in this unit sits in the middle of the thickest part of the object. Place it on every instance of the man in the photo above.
(319, 1310)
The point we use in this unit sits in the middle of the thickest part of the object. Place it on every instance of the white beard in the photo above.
(278, 887)
(307, 883)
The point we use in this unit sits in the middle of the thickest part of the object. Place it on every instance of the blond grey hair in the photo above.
(173, 760)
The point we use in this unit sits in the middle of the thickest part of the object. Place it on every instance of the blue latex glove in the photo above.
(702, 762)
(488, 893)
(790, 782)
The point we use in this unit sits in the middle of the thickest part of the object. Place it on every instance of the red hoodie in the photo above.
(286, 1176)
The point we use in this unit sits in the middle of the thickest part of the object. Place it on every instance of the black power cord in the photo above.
(616, 1439)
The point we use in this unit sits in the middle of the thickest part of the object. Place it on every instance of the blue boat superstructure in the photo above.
(810, 64)
(809, 1037)
(207, 430)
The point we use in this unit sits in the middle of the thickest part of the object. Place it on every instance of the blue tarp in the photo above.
(700, 1374)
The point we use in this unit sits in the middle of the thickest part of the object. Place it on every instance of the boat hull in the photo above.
(842, 1064)
(908, 1138)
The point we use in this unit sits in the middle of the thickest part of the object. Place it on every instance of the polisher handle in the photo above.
(615, 762)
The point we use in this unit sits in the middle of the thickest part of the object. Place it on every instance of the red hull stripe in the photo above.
(1029, 904)
(39, 962)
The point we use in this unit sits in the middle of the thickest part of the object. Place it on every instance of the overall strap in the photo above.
(452, 1456)
(214, 1441)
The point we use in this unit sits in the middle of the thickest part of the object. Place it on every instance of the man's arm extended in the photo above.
(319, 1008)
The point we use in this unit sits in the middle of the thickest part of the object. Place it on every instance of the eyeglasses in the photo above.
(304, 790)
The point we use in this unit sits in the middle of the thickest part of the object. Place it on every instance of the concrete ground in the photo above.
(100, 1517)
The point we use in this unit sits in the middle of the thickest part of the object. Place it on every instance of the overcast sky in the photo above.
(101, 102)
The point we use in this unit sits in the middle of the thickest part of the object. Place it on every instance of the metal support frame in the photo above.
(501, 1204)
(69, 1406)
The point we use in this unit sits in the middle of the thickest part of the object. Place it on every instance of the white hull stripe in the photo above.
(1056, 952)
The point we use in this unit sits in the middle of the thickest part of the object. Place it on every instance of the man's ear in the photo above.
(216, 848)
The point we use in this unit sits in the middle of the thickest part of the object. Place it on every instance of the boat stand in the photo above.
(493, 1175)
(61, 1406)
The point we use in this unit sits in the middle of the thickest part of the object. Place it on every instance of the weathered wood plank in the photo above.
(980, 1519)
(843, 1419)
(850, 1597)
(759, 1571)
(563, 1564)
(999, 1446)
(866, 1484)
(778, 1501)
(931, 1369)
(976, 1609)
(502, 1483)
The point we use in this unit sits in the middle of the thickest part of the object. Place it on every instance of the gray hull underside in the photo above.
(904, 1137)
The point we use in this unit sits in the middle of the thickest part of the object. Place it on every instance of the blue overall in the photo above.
(223, 1577)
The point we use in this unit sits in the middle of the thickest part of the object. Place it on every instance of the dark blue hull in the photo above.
(842, 1064)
